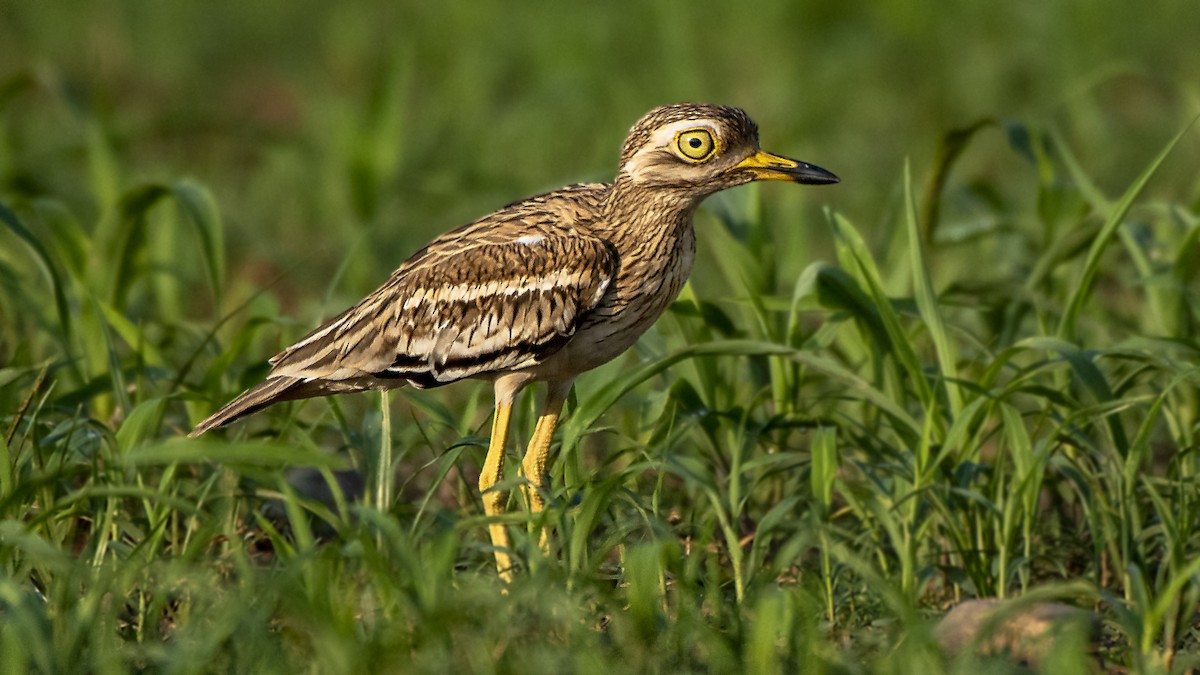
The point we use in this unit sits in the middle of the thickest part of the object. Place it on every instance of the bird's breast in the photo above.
(651, 275)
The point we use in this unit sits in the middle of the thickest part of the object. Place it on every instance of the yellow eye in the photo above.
(696, 145)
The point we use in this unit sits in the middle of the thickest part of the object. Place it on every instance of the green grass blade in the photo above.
(1068, 329)
(951, 147)
(233, 454)
(899, 342)
(1092, 194)
(44, 261)
(128, 241)
(201, 209)
(597, 403)
(927, 302)
(824, 465)
(142, 423)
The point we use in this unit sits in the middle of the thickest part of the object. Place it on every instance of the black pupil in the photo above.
(695, 142)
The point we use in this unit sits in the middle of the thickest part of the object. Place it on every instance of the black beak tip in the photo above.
(811, 174)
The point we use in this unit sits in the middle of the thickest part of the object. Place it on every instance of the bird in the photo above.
(541, 290)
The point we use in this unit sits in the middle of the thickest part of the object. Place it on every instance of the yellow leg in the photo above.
(495, 501)
(533, 467)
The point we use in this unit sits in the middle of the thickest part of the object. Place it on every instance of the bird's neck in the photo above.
(633, 215)
(651, 230)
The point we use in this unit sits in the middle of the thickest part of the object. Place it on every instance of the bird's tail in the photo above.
(273, 390)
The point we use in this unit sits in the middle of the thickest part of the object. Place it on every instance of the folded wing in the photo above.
(500, 294)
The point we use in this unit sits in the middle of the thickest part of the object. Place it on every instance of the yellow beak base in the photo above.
(766, 166)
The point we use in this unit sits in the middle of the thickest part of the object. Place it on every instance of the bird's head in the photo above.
(700, 149)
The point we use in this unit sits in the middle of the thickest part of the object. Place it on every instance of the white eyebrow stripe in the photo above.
(664, 136)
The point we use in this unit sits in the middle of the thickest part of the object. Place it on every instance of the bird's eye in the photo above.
(696, 145)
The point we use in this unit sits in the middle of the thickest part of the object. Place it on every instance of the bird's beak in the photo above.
(765, 166)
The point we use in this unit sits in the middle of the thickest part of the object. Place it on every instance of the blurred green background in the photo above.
(320, 126)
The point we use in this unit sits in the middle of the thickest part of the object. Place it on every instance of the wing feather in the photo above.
(465, 305)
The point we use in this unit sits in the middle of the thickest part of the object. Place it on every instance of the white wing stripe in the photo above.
(502, 287)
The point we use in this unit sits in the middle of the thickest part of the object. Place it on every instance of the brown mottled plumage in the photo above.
(541, 290)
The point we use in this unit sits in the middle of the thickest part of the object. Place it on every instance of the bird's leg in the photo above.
(494, 501)
(534, 465)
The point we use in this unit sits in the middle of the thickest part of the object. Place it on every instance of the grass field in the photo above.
(969, 370)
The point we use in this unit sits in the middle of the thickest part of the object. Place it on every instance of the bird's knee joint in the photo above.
(493, 500)
(534, 472)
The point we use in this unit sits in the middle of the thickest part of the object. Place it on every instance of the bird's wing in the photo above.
(494, 296)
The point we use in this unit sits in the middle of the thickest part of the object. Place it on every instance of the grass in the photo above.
(970, 370)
